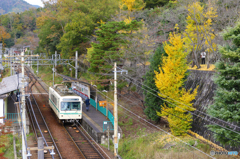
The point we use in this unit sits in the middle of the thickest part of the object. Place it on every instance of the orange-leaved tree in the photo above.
(4, 132)
(3, 35)
(169, 81)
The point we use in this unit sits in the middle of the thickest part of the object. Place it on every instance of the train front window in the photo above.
(68, 106)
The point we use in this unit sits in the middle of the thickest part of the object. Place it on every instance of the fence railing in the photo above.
(106, 125)
(103, 110)
(13, 117)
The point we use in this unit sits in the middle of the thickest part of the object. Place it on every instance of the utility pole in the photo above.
(76, 64)
(23, 110)
(31, 59)
(108, 135)
(37, 65)
(11, 65)
(116, 110)
(54, 65)
(23, 103)
(55, 59)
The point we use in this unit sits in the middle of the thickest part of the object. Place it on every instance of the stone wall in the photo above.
(206, 88)
(204, 98)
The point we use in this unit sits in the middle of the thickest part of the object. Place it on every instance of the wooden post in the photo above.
(96, 100)
(14, 148)
(108, 136)
(106, 109)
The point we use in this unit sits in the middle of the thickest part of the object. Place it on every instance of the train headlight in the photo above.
(79, 115)
(61, 115)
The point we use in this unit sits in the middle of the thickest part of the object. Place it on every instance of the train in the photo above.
(66, 105)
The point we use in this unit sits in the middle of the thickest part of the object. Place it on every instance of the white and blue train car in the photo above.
(65, 104)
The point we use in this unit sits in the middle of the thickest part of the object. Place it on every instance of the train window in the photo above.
(54, 99)
(66, 106)
(76, 105)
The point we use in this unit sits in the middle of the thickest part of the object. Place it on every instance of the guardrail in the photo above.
(13, 117)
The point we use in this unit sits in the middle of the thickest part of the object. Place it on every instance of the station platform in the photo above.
(93, 122)
(94, 118)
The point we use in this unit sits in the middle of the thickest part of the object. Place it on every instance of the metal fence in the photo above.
(103, 110)
(13, 117)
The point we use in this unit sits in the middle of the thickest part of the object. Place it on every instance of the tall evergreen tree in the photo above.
(152, 101)
(110, 39)
(155, 3)
(227, 96)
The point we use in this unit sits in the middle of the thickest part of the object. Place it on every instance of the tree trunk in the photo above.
(207, 58)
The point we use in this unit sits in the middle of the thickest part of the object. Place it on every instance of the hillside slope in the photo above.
(7, 6)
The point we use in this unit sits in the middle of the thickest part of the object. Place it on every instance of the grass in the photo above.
(45, 73)
(150, 146)
(140, 144)
(9, 150)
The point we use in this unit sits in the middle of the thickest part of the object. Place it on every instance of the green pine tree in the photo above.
(152, 101)
(110, 39)
(155, 3)
(227, 95)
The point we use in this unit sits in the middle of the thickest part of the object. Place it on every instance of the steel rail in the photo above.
(75, 143)
(44, 123)
(89, 140)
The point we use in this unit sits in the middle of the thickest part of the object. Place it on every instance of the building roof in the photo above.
(3, 96)
(17, 52)
(10, 83)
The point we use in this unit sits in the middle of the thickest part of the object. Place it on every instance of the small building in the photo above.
(3, 107)
(8, 108)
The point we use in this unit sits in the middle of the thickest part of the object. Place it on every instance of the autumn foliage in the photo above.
(4, 131)
(199, 34)
(169, 81)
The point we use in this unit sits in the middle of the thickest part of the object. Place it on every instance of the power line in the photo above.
(183, 119)
(188, 121)
(182, 103)
(156, 126)
(192, 112)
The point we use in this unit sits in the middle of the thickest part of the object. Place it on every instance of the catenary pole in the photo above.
(76, 64)
(23, 110)
(115, 112)
(37, 65)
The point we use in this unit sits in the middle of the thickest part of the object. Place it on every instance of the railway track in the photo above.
(39, 124)
(82, 145)
(83, 142)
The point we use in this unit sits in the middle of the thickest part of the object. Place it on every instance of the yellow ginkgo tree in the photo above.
(199, 33)
(170, 80)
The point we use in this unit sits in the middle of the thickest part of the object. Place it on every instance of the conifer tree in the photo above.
(107, 50)
(152, 102)
(169, 81)
(227, 96)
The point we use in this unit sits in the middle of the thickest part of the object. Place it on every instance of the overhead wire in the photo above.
(156, 126)
(188, 121)
(183, 119)
(181, 102)
(190, 111)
